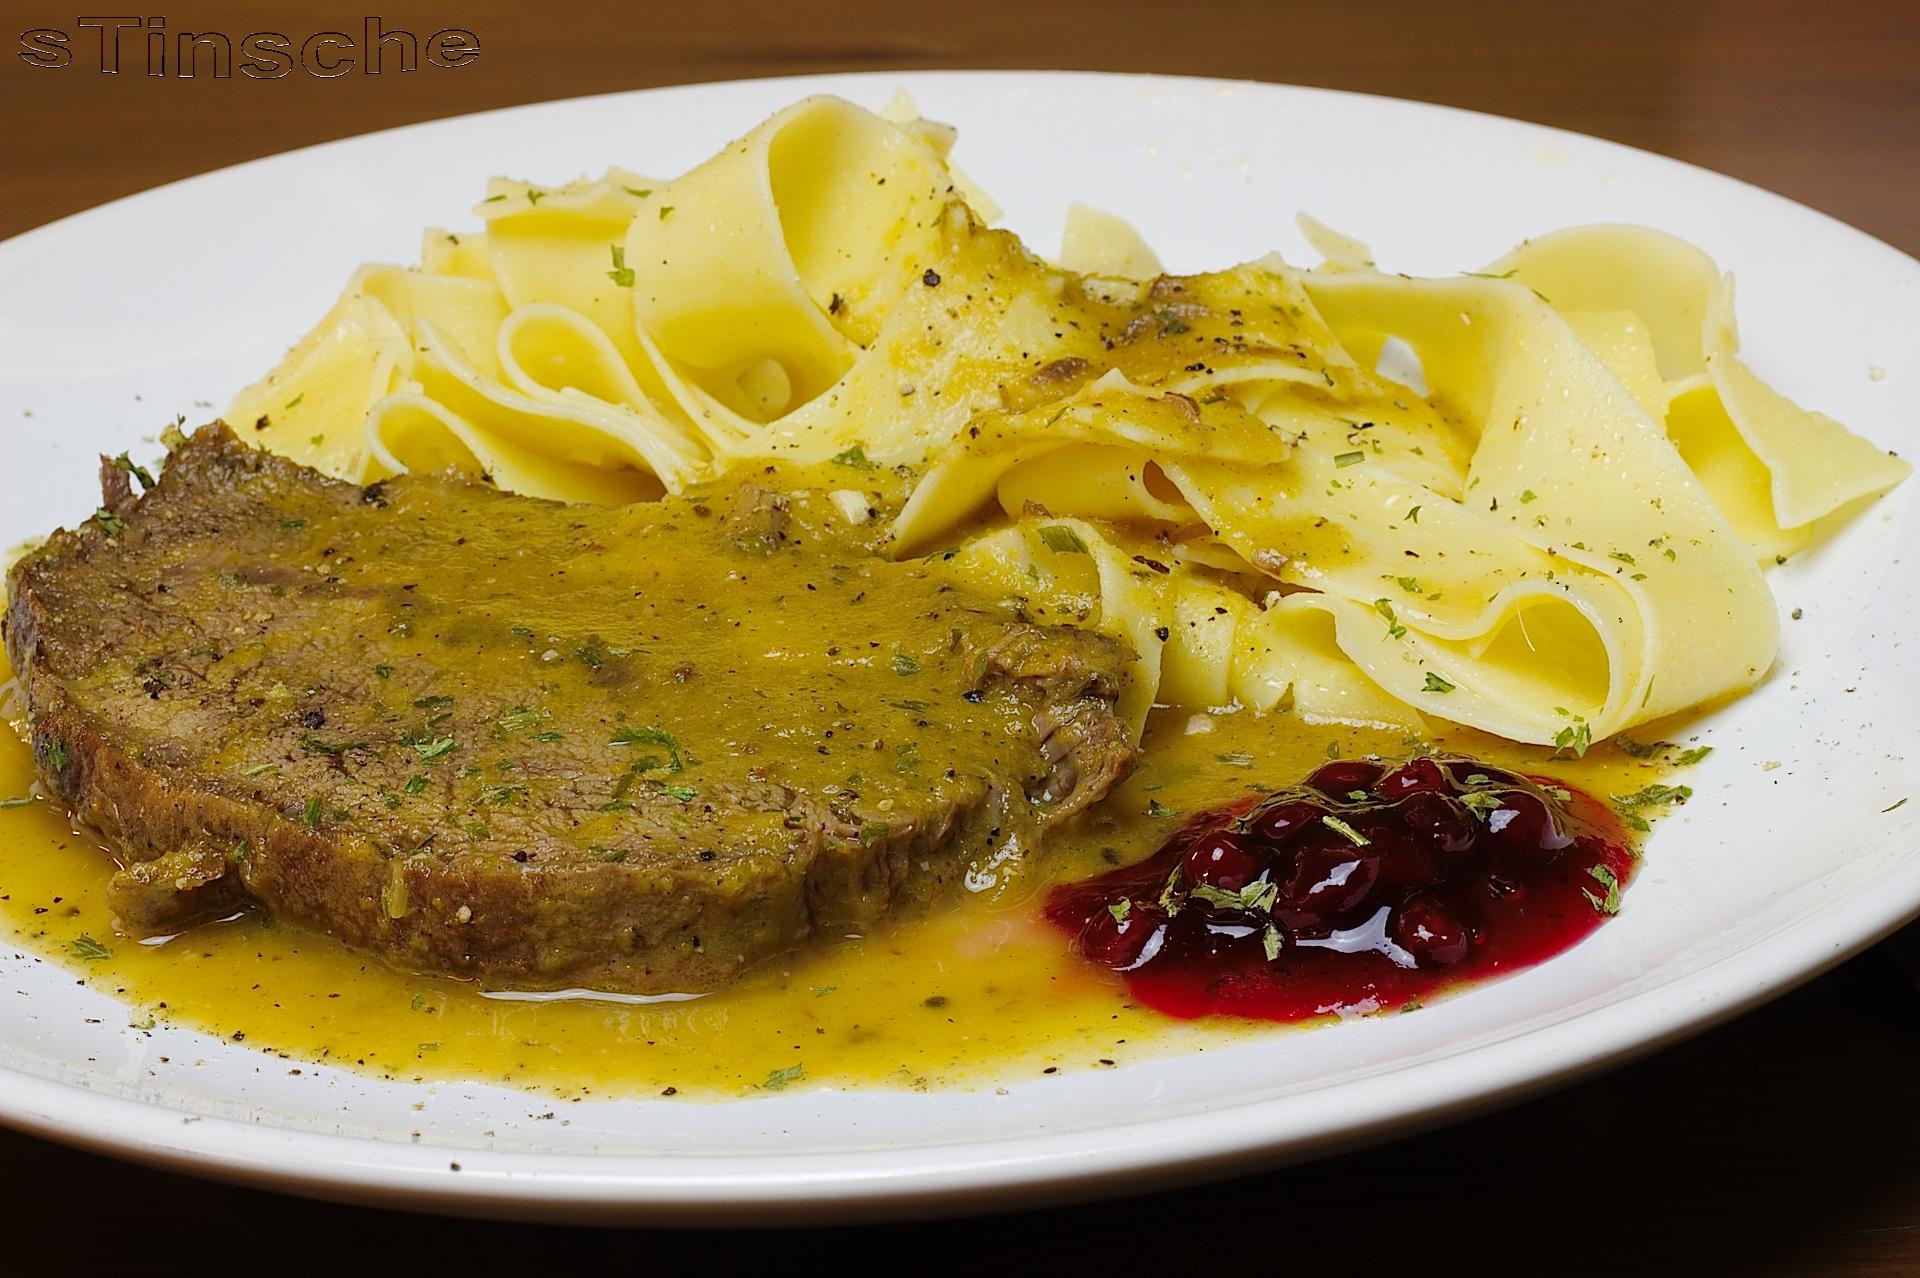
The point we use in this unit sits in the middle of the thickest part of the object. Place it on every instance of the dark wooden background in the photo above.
(1783, 1143)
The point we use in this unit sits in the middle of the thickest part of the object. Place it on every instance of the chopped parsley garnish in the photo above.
(1236, 759)
(139, 472)
(628, 735)
(435, 749)
(855, 457)
(1120, 909)
(522, 717)
(1577, 737)
(310, 815)
(88, 948)
(1481, 803)
(905, 665)
(1171, 897)
(1436, 684)
(684, 793)
(110, 523)
(1621, 555)
(1662, 750)
(637, 192)
(781, 1078)
(664, 210)
(1353, 458)
(1609, 903)
(1528, 495)
(874, 832)
(1897, 803)
(592, 654)
(416, 784)
(383, 672)
(1062, 539)
(1385, 608)
(21, 801)
(1413, 516)
(1655, 796)
(1155, 808)
(1409, 584)
(621, 274)
(54, 755)
(1270, 942)
(1258, 895)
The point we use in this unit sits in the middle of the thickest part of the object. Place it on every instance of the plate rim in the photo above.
(894, 77)
(1047, 1170)
(966, 1177)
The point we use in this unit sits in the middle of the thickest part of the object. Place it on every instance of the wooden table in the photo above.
(1782, 1143)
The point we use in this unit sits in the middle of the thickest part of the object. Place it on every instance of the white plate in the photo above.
(113, 321)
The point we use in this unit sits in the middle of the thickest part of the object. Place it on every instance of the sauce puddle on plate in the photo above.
(985, 992)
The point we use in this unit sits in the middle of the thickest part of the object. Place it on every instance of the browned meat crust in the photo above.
(538, 745)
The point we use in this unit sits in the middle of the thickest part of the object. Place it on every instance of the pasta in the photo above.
(1535, 499)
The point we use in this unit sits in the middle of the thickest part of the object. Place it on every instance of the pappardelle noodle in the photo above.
(1535, 498)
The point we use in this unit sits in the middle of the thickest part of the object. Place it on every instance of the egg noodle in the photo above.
(1535, 499)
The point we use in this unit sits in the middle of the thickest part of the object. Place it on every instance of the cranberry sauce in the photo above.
(1362, 889)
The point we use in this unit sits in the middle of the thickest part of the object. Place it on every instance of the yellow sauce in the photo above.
(977, 995)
